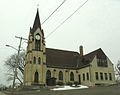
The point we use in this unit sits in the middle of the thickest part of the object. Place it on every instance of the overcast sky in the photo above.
(95, 25)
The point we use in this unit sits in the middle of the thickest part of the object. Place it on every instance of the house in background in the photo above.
(48, 66)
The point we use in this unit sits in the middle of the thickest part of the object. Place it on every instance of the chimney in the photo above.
(81, 51)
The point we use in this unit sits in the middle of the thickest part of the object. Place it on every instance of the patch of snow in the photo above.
(70, 88)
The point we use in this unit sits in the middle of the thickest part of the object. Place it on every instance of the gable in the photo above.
(98, 53)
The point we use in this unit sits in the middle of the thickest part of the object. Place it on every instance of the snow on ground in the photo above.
(70, 88)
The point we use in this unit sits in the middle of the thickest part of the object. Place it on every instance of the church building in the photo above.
(48, 66)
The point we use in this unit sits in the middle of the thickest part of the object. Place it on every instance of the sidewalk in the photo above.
(1, 93)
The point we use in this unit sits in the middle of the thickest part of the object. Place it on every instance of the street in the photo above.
(111, 90)
(1, 93)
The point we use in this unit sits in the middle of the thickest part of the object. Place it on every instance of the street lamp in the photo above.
(11, 47)
(17, 59)
(16, 66)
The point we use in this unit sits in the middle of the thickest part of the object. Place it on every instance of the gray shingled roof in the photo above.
(61, 58)
(70, 59)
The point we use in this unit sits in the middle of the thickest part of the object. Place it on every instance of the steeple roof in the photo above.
(37, 21)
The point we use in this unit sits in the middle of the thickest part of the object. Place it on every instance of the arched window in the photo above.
(60, 75)
(83, 77)
(39, 60)
(36, 77)
(48, 74)
(34, 60)
(71, 76)
(54, 71)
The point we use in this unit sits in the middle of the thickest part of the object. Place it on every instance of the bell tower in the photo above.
(35, 63)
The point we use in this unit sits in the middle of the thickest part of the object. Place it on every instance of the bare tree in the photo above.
(10, 63)
(117, 67)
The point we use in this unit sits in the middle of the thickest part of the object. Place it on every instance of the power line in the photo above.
(66, 19)
(54, 11)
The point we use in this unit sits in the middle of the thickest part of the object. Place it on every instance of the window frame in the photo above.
(34, 60)
(106, 76)
(87, 75)
(97, 75)
(71, 76)
(83, 76)
(101, 76)
(60, 75)
(39, 60)
(110, 76)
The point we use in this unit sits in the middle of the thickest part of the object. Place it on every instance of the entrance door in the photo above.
(48, 77)
(79, 79)
(36, 77)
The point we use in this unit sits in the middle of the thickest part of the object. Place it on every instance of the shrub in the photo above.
(60, 83)
(76, 83)
(69, 83)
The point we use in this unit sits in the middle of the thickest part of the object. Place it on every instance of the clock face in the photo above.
(37, 37)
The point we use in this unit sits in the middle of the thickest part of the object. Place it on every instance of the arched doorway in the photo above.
(51, 81)
(36, 77)
(48, 76)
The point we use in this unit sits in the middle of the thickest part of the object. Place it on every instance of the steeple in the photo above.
(37, 21)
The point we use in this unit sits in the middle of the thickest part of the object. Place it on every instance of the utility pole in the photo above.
(17, 59)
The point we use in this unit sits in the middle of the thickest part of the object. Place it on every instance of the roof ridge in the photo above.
(62, 50)
(93, 51)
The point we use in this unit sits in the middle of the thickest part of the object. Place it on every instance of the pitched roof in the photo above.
(99, 53)
(37, 21)
(61, 58)
(70, 59)
(36, 24)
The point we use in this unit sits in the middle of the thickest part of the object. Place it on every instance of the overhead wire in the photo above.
(53, 12)
(66, 19)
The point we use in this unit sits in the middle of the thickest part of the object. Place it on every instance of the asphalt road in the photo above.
(114, 90)
(1, 93)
